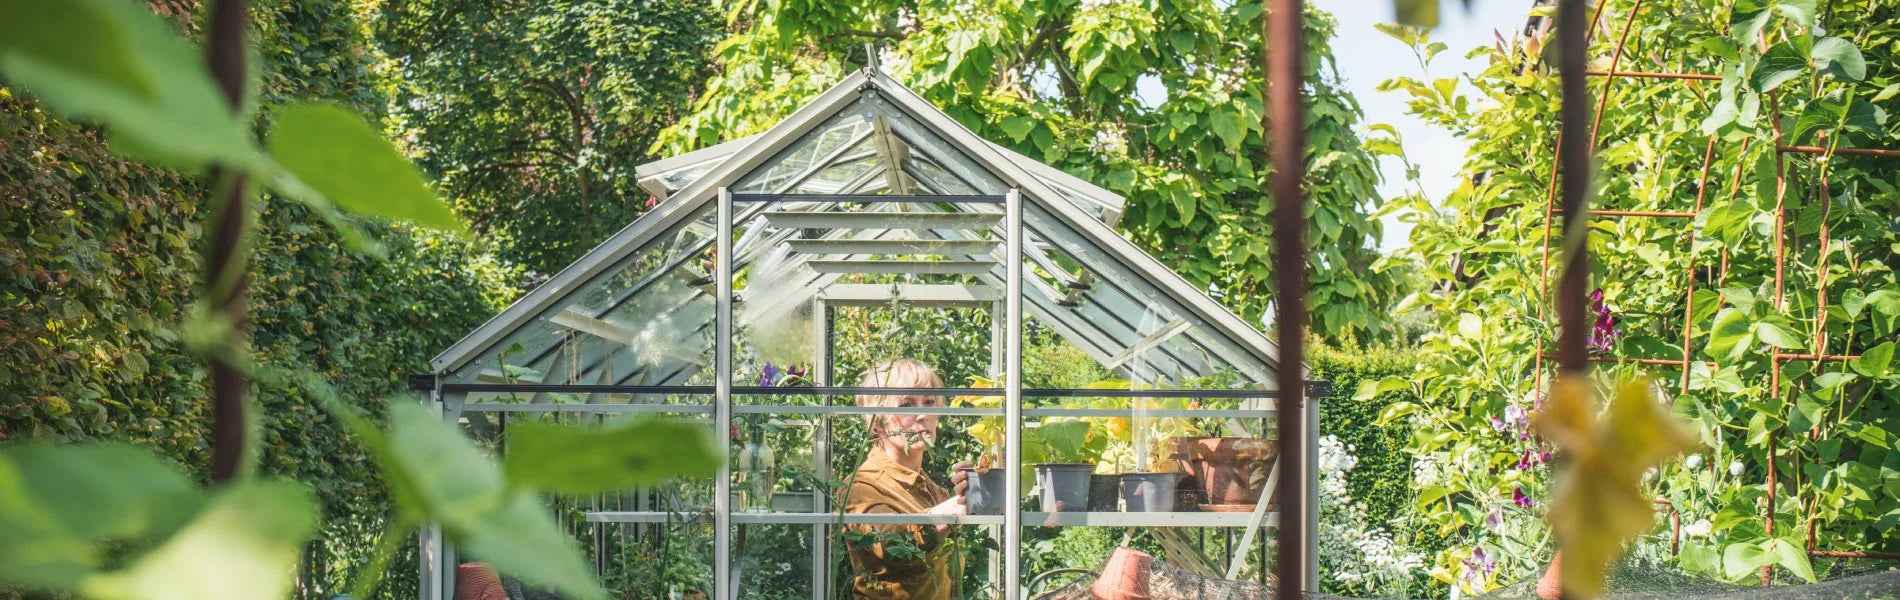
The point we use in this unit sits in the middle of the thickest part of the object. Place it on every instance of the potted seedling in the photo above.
(985, 493)
(1065, 451)
(1149, 478)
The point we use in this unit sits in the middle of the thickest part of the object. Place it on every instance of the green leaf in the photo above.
(438, 476)
(1726, 111)
(1789, 557)
(58, 504)
(1743, 299)
(1062, 439)
(1827, 383)
(1018, 127)
(1470, 326)
(1409, 36)
(1818, 115)
(1707, 301)
(1876, 361)
(1741, 559)
(145, 84)
(1746, 21)
(1777, 335)
(1228, 128)
(1840, 58)
(591, 460)
(1373, 388)
(334, 153)
(1731, 337)
(1853, 301)
(1886, 310)
(1698, 558)
(1807, 413)
(1781, 63)
(1398, 410)
(44, 30)
(244, 545)
(1800, 12)
(1867, 118)
(521, 539)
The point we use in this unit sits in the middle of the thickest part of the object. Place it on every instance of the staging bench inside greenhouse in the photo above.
(724, 304)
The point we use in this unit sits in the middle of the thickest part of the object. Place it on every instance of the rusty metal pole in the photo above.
(226, 261)
(1574, 143)
(1287, 144)
(1574, 161)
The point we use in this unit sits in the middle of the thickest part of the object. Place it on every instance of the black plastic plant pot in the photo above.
(985, 494)
(1065, 486)
(1149, 492)
(1105, 493)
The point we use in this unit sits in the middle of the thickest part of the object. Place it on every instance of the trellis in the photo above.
(1776, 357)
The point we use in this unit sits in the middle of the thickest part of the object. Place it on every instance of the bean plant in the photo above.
(1789, 73)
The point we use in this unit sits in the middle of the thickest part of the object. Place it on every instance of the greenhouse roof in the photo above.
(867, 195)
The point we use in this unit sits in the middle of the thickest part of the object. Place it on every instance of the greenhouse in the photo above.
(870, 197)
(971, 300)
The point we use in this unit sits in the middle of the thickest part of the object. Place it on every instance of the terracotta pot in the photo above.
(1550, 586)
(1231, 470)
(1124, 577)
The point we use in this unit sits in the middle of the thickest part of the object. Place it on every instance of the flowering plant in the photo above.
(1354, 557)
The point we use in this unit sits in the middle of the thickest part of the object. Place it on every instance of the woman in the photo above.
(900, 562)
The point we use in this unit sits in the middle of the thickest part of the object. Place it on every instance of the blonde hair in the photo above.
(896, 373)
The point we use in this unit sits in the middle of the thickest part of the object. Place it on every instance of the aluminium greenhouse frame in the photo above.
(588, 333)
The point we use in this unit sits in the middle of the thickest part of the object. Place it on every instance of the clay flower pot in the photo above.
(1230, 470)
(1125, 577)
(1550, 586)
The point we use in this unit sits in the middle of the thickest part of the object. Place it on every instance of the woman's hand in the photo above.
(953, 506)
(960, 480)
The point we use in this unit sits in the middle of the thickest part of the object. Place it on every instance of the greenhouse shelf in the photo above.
(1030, 519)
(947, 411)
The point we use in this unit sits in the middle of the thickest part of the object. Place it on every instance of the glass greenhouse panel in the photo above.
(869, 147)
(818, 149)
(645, 322)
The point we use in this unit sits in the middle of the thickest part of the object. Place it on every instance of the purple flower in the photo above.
(1533, 458)
(1480, 561)
(1517, 495)
(768, 376)
(1498, 424)
(1603, 332)
(795, 371)
(1495, 519)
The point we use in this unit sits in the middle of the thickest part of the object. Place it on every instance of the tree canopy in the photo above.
(533, 114)
(1158, 101)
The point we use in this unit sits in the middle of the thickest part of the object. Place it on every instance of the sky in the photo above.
(1367, 57)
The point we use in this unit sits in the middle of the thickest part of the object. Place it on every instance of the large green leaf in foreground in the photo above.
(439, 476)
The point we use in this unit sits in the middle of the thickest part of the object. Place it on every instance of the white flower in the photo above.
(1694, 461)
(1109, 141)
(1735, 469)
(1426, 470)
(1700, 528)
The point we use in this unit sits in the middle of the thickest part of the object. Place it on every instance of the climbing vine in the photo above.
(1790, 73)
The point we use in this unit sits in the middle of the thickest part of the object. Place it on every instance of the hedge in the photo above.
(99, 261)
(1383, 479)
